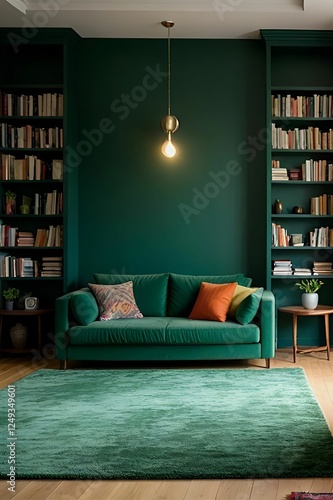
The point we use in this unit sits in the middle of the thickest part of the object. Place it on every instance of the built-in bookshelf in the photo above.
(299, 164)
(38, 215)
(31, 159)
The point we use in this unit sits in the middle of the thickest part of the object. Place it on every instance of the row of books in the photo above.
(45, 104)
(317, 170)
(301, 106)
(12, 266)
(304, 139)
(311, 170)
(50, 203)
(321, 205)
(29, 136)
(11, 237)
(319, 237)
(284, 267)
(30, 168)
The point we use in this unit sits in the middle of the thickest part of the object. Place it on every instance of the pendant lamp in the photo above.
(169, 122)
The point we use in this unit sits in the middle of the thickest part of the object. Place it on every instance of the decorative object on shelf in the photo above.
(297, 210)
(19, 335)
(10, 203)
(20, 302)
(278, 206)
(169, 122)
(31, 303)
(310, 297)
(10, 295)
(25, 209)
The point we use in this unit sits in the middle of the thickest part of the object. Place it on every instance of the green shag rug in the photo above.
(166, 424)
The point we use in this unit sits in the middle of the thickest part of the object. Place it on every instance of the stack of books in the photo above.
(282, 267)
(320, 268)
(302, 271)
(51, 267)
(25, 239)
(280, 174)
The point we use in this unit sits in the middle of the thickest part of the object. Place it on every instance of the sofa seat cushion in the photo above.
(166, 331)
(184, 289)
(194, 331)
(150, 290)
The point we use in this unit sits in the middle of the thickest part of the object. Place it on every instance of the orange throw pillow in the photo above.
(213, 301)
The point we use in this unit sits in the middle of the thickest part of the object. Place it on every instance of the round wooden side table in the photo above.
(20, 313)
(301, 311)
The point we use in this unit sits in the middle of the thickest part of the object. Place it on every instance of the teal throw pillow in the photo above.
(248, 308)
(84, 307)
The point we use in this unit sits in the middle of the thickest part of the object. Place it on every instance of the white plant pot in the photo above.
(310, 300)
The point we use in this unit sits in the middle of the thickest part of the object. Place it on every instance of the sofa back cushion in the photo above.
(184, 289)
(150, 290)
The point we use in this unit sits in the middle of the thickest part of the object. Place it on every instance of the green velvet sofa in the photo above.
(165, 332)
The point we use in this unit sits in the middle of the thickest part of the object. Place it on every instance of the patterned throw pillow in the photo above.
(116, 301)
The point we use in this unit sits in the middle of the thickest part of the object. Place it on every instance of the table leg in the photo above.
(39, 319)
(0, 330)
(295, 335)
(327, 333)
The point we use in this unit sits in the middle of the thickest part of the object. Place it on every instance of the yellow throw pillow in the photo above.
(239, 295)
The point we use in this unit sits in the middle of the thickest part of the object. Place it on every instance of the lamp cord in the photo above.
(169, 75)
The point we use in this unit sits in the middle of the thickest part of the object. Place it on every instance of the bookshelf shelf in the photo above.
(31, 216)
(303, 151)
(302, 183)
(301, 88)
(33, 150)
(43, 249)
(301, 276)
(34, 278)
(28, 182)
(32, 118)
(305, 247)
(306, 119)
(300, 216)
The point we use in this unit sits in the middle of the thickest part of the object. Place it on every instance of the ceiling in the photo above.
(193, 19)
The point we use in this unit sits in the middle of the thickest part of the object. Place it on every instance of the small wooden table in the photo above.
(301, 311)
(37, 313)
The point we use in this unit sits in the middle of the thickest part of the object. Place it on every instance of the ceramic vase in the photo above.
(9, 305)
(310, 300)
(18, 335)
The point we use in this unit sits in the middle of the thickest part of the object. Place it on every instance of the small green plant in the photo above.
(310, 286)
(10, 195)
(11, 294)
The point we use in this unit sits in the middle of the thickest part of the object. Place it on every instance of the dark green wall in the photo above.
(130, 194)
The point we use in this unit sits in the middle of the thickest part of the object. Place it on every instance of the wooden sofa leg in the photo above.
(63, 364)
(268, 362)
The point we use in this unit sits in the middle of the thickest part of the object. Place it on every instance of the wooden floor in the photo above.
(320, 375)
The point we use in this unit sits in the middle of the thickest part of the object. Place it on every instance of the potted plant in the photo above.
(310, 295)
(10, 295)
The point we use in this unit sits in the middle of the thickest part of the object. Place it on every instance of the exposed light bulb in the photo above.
(168, 149)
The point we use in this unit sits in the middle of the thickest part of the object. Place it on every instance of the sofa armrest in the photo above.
(62, 324)
(267, 324)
